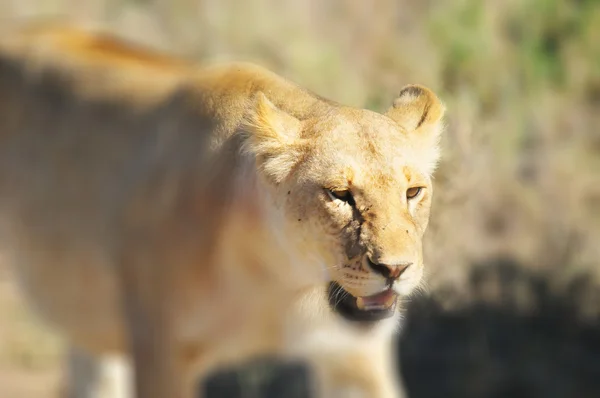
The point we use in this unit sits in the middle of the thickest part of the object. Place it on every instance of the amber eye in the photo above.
(341, 194)
(412, 193)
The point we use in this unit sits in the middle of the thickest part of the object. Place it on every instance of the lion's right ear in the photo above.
(272, 136)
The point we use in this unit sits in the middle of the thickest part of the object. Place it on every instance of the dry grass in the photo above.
(521, 79)
(29, 352)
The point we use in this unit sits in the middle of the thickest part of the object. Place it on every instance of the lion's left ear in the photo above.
(272, 136)
(420, 112)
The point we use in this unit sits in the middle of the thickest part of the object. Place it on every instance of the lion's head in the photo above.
(355, 190)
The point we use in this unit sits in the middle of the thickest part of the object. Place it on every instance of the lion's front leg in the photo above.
(153, 352)
(147, 310)
(354, 371)
(356, 379)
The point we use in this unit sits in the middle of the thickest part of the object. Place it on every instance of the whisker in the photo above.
(339, 295)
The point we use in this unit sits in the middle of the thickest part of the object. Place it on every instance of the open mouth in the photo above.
(362, 309)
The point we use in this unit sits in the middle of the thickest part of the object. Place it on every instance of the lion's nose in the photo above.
(389, 271)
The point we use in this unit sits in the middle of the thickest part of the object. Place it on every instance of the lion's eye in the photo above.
(412, 193)
(341, 194)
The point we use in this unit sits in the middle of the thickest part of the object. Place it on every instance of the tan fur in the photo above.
(180, 213)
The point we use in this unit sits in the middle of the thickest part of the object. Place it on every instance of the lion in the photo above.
(186, 216)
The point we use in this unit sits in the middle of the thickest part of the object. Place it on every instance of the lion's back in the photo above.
(90, 127)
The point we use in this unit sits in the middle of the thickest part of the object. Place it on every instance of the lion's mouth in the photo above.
(363, 309)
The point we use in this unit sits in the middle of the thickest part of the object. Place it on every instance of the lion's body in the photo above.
(132, 209)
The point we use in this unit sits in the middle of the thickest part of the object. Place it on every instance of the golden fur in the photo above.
(183, 214)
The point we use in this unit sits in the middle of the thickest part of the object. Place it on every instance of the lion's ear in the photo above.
(272, 136)
(420, 112)
(417, 107)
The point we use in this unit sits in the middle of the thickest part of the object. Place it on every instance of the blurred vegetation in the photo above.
(521, 79)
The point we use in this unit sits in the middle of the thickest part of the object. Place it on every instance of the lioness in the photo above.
(190, 215)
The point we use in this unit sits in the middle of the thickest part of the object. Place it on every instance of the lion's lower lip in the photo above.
(364, 309)
(380, 301)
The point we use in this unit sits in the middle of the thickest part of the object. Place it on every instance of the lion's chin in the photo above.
(362, 309)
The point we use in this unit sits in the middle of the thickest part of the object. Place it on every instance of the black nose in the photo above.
(389, 271)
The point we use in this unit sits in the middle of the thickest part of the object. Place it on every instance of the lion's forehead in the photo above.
(367, 150)
(376, 139)
(351, 163)
(374, 175)
(387, 176)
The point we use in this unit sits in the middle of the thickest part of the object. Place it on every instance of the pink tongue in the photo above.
(379, 298)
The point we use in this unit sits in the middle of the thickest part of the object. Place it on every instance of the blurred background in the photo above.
(520, 173)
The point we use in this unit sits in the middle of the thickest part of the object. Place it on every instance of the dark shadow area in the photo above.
(262, 378)
(511, 332)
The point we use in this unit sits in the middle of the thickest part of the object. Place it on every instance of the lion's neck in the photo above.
(256, 239)
(226, 92)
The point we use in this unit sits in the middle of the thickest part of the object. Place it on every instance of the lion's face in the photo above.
(355, 189)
